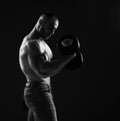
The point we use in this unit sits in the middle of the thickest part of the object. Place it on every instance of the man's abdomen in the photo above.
(36, 88)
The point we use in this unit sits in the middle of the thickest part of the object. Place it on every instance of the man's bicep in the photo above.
(36, 62)
(45, 68)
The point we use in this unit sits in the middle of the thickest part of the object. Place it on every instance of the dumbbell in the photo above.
(68, 45)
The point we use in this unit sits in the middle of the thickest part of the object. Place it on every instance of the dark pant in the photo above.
(39, 100)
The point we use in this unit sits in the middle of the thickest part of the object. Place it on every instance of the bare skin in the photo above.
(24, 60)
(35, 60)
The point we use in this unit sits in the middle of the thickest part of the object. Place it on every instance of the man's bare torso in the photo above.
(24, 62)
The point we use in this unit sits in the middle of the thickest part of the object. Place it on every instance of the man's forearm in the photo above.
(53, 67)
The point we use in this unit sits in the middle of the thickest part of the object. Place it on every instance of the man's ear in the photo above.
(39, 23)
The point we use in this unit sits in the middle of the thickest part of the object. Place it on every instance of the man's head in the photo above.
(47, 24)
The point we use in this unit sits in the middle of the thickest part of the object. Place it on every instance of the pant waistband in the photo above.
(29, 86)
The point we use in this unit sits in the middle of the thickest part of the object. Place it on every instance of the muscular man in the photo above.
(35, 61)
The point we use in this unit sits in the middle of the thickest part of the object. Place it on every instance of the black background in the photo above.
(89, 93)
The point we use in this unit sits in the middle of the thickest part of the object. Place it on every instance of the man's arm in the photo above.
(42, 67)
(55, 66)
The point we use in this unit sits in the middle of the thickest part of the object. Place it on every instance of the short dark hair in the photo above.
(49, 14)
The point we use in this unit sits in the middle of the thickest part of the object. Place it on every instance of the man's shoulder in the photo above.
(33, 45)
(30, 43)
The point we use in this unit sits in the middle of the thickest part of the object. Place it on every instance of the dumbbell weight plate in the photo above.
(70, 49)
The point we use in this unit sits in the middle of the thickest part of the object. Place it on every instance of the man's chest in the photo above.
(45, 49)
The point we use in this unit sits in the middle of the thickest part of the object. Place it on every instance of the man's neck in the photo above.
(35, 34)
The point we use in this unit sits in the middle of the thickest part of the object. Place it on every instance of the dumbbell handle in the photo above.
(67, 42)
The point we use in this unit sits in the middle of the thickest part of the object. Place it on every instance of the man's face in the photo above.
(50, 28)
(47, 27)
